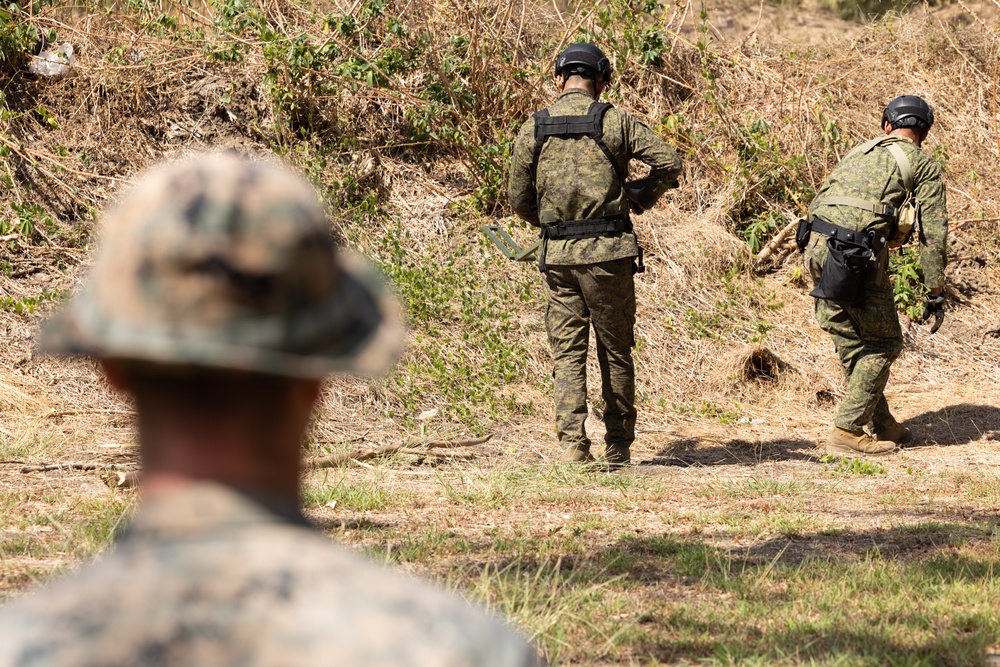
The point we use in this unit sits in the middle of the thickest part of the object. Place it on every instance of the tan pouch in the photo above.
(909, 219)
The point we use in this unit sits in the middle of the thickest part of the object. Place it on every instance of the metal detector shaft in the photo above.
(508, 246)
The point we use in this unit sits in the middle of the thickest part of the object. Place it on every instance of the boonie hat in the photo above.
(224, 263)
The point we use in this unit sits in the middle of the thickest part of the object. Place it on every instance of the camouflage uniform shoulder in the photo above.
(924, 166)
(208, 577)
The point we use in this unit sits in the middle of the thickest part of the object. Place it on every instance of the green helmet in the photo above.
(223, 263)
(584, 59)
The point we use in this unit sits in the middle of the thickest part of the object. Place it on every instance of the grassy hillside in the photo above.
(732, 541)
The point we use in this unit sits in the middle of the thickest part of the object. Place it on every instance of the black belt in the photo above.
(866, 239)
(586, 229)
(583, 229)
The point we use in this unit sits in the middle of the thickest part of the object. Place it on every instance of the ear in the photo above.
(887, 126)
(560, 83)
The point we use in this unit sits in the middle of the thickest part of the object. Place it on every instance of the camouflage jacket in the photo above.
(875, 177)
(575, 180)
(207, 576)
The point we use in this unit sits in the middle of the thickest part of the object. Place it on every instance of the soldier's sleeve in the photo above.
(930, 191)
(520, 187)
(664, 163)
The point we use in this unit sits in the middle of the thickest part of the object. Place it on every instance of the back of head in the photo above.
(585, 60)
(909, 111)
(221, 263)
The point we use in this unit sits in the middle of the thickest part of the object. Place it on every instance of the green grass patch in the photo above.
(552, 604)
(762, 488)
(423, 545)
(470, 344)
(847, 465)
(342, 493)
(42, 534)
(681, 600)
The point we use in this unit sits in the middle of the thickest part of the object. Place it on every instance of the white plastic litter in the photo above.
(55, 62)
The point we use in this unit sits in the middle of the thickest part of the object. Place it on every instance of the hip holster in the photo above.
(850, 259)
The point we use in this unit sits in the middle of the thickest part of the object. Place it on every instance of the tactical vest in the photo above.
(564, 127)
(902, 220)
(590, 125)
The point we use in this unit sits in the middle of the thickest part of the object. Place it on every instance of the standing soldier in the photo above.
(873, 200)
(568, 177)
(218, 303)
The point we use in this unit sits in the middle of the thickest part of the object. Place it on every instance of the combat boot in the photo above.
(577, 454)
(848, 442)
(616, 456)
(894, 432)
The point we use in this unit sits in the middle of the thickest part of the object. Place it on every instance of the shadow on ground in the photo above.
(690, 599)
(688, 452)
(956, 425)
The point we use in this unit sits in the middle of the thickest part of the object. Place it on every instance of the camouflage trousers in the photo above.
(868, 339)
(602, 295)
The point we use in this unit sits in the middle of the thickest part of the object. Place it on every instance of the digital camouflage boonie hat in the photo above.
(223, 263)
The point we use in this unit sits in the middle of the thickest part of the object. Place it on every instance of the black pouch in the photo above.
(844, 273)
(802, 234)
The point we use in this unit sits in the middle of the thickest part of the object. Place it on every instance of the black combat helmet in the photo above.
(908, 111)
(584, 59)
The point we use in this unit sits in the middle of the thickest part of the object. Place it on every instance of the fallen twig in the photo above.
(958, 224)
(439, 455)
(777, 241)
(337, 460)
(61, 466)
(67, 413)
(26, 272)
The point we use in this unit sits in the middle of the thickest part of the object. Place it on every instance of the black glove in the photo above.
(933, 305)
(633, 195)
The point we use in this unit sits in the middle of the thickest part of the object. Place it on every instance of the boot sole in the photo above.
(899, 443)
(589, 458)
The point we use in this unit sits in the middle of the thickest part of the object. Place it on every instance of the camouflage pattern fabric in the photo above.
(868, 336)
(575, 181)
(868, 339)
(602, 294)
(875, 177)
(226, 263)
(589, 281)
(206, 576)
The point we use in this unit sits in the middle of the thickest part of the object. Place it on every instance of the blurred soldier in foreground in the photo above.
(880, 194)
(568, 177)
(217, 301)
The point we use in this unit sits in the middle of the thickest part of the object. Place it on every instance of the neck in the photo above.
(176, 453)
(907, 133)
(250, 439)
(582, 84)
(242, 432)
